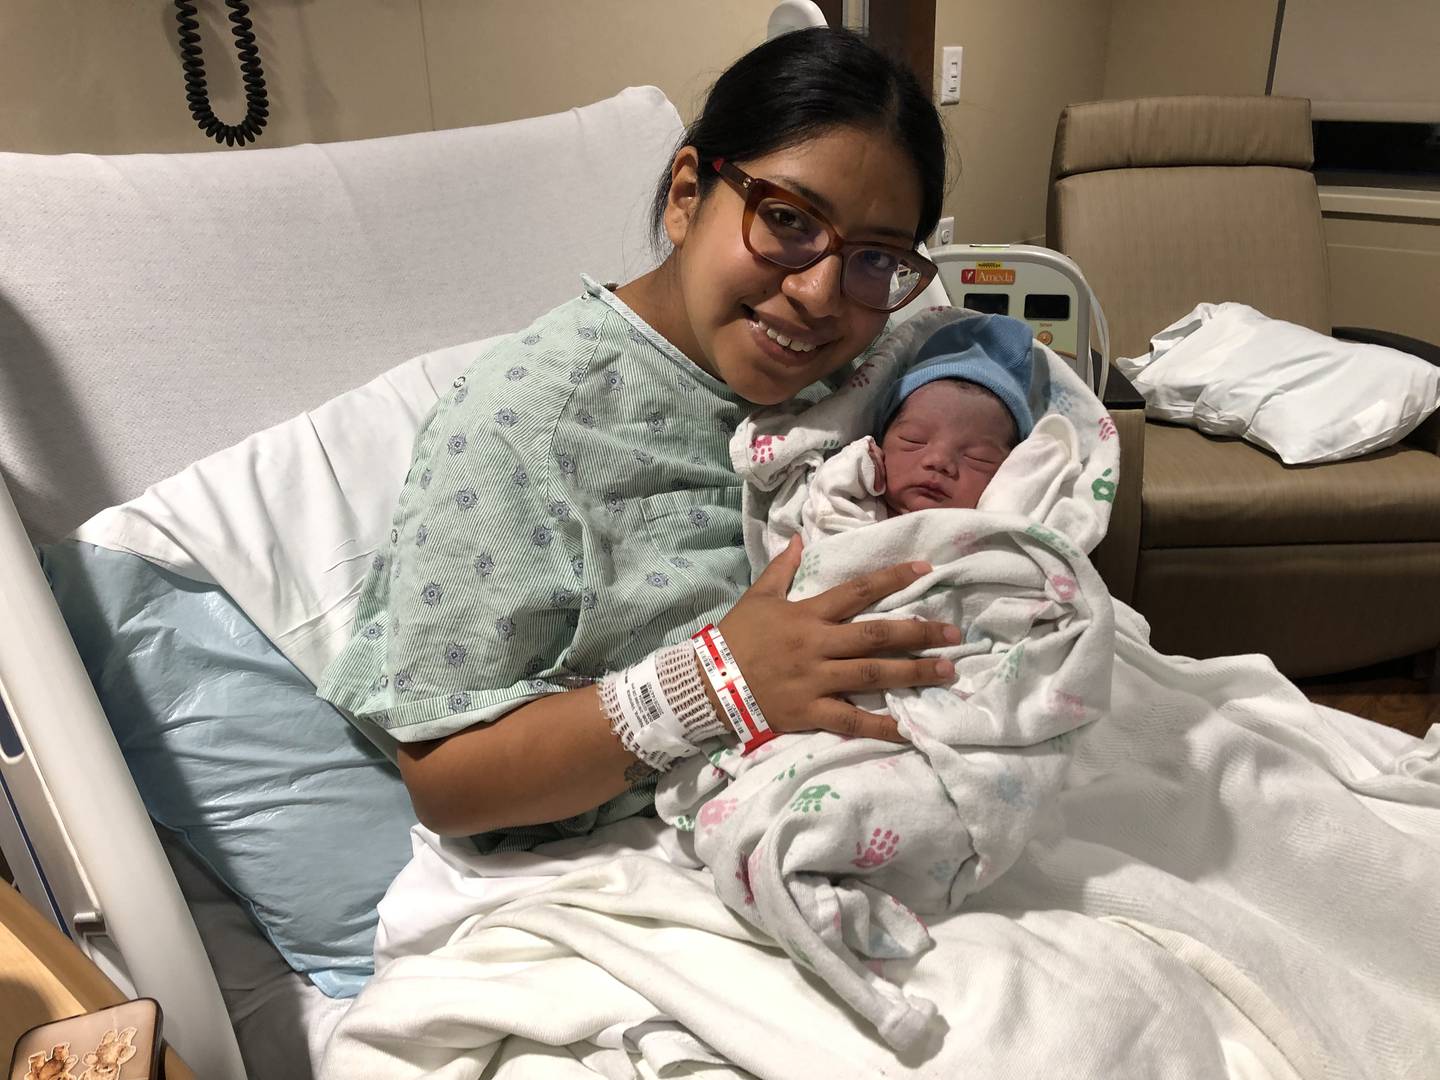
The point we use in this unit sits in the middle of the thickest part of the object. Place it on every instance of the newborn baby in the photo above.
(945, 428)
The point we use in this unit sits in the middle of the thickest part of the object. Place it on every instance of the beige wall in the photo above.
(1183, 47)
(1385, 272)
(103, 76)
(1026, 59)
(1013, 84)
(502, 59)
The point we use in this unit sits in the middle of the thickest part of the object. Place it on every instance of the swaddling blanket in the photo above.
(836, 847)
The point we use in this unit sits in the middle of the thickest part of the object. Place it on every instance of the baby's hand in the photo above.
(878, 459)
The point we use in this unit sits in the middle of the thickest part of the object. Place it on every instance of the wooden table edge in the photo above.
(69, 967)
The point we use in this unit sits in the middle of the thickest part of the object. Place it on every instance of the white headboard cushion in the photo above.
(156, 308)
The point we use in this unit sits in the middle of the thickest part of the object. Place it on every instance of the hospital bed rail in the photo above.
(94, 865)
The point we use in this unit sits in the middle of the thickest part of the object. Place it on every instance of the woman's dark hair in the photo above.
(801, 84)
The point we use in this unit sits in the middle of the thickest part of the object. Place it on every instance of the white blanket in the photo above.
(1237, 883)
(1232, 882)
(1066, 478)
(837, 848)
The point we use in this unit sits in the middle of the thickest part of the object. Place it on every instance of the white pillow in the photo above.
(1227, 369)
(287, 520)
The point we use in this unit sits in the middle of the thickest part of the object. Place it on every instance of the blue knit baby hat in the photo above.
(990, 350)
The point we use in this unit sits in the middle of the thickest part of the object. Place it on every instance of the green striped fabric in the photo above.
(570, 508)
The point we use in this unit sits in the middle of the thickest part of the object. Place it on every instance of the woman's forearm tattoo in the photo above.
(637, 772)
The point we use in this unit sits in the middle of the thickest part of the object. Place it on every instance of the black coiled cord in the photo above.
(257, 104)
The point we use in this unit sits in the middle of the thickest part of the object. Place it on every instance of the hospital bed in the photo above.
(156, 309)
(162, 320)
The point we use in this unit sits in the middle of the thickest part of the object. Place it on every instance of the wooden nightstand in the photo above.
(44, 977)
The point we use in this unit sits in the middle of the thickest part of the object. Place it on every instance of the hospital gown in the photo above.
(570, 509)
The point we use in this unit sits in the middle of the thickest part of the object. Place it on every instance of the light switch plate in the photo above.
(950, 59)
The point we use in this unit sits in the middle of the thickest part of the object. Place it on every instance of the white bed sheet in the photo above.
(283, 1022)
(1241, 888)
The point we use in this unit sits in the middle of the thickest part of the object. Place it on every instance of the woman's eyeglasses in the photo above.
(785, 229)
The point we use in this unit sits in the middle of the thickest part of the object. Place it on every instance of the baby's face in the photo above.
(943, 447)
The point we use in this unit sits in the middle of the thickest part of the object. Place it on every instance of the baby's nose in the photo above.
(940, 462)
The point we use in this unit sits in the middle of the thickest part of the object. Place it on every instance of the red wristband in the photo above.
(730, 687)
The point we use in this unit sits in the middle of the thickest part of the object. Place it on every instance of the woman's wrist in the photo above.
(659, 709)
(716, 708)
(730, 689)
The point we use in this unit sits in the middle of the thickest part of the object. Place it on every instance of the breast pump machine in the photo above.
(1037, 285)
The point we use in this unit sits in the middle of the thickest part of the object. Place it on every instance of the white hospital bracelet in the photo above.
(730, 687)
(658, 707)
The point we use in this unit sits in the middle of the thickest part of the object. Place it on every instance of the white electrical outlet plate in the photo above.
(950, 74)
(945, 232)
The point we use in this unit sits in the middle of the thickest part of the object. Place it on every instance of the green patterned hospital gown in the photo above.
(570, 509)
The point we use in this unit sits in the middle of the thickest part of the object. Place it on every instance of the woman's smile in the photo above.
(780, 345)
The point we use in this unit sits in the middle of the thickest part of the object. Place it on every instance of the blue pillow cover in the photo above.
(270, 787)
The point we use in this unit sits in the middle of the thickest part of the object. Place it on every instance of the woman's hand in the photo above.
(799, 657)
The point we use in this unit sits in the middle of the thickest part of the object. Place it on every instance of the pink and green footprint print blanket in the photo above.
(840, 848)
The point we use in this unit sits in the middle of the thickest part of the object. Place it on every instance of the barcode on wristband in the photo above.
(652, 707)
(648, 713)
(734, 694)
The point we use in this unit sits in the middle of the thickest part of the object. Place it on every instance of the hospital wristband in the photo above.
(658, 708)
(730, 687)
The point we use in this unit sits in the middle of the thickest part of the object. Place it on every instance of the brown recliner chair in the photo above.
(1168, 202)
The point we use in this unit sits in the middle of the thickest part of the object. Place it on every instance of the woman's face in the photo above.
(865, 185)
(944, 447)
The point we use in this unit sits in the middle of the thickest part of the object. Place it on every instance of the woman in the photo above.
(572, 511)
